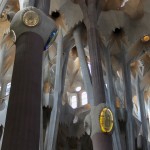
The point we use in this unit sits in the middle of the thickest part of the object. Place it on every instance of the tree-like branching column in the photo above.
(91, 10)
(91, 13)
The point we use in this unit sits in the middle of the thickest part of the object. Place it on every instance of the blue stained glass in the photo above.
(51, 38)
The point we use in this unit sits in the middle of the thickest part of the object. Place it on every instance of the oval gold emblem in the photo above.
(106, 120)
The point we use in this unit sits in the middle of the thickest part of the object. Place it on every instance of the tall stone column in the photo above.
(111, 96)
(129, 104)
(56, 110)
(84, 65)
(23, 113)
(91, 10)
(140, 97)
(22, 128)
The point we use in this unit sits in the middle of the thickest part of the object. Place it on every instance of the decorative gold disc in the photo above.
(145, 38)
(106, 120)
(31, 18)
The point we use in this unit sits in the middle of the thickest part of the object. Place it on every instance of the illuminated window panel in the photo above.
(89, 65)
(84, 98)
(8, 88)
(73, 101)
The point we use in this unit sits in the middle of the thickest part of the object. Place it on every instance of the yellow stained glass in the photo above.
(106, 120)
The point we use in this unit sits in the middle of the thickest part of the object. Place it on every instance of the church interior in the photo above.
(74, 74)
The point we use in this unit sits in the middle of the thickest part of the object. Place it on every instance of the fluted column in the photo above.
(22, 128)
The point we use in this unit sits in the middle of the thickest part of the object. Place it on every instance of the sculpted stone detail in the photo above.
(41, 24)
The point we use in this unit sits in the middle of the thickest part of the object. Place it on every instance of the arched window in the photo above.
(84, 98)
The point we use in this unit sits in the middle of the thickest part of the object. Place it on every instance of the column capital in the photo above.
(34, 21)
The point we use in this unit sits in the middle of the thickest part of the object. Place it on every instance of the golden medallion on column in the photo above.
(31, 18)
(106, 120)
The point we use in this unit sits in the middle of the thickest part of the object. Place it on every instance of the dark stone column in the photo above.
(98, 85)
(101, 141)
(96, 66)
(91, 10)
(22, 128)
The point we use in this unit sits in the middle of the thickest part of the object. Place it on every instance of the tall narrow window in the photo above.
(84, 98)
(89, 65)
(8, 88)
(73, 101)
